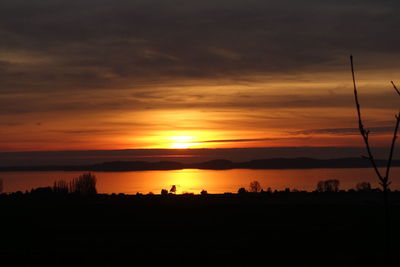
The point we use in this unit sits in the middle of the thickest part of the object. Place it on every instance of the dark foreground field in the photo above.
(286, 229)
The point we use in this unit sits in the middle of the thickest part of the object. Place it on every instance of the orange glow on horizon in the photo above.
(182, 142)
(251, 115)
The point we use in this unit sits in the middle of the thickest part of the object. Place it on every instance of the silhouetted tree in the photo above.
(164, 192)
(383, 177)
(84, 185)
(60, 187)
(328, 186)
(320, 186)
(1, 186)
(203, 192)
(242, 191)
(255, 187)
(173, 189)
(363, 187)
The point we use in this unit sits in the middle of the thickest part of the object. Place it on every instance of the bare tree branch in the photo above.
(389, 163)
(364, 133)
(384, 180)
(395, 88)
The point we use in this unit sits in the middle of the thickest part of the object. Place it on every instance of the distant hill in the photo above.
(219, 164)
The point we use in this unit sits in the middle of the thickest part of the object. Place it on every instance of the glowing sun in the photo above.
(182, 142)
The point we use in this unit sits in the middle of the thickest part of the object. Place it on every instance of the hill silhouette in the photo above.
(218, 164)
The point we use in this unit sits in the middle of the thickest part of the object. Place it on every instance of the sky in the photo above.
(109, 75)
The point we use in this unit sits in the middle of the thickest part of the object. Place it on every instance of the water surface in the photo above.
(194, 180)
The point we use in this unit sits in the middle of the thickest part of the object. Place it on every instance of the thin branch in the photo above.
(364, 133)
(395, 88)
(389, 163)
(383, 181)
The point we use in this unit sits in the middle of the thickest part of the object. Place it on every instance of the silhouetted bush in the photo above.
(60, 187)
(173, 189)
(255, 187)
(84, 185)
(242, 191)
(363, 187)
(203, 192)
(328, 186)
(42, 191)
(164, 192)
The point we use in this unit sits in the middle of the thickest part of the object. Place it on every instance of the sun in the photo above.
(180, 145)
(182, 142)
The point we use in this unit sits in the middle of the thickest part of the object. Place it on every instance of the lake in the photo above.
(195, 180)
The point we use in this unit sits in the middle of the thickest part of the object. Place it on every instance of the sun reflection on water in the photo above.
(186, 181)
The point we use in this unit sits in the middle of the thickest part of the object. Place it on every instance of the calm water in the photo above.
(194, 180)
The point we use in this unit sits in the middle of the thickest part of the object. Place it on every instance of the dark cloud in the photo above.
(101, 44)
(345, 131)
(88, 131)
(102, 101)
(9, 124)
(240, 140)
(246, 140)
(99, 60)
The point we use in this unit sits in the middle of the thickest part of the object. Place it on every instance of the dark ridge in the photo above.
(219, 164)
(135, 166)
(310, 163)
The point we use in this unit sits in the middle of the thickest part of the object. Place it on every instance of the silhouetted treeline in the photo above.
(85, 184)
(221, 164)
(328, 186)
(47, 192)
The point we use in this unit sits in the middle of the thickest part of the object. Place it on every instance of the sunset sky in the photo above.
(102, 74)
